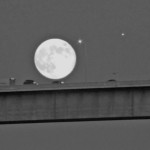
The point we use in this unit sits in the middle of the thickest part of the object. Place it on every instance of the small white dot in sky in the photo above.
(80, 41)
(122, 34)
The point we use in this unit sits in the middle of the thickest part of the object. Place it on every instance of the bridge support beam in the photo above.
(74, 104)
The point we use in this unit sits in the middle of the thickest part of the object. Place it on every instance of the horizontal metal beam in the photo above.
(79, 104)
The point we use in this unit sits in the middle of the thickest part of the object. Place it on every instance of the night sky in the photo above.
(115, 36)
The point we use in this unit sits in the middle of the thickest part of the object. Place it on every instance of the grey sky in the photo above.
(100, 24)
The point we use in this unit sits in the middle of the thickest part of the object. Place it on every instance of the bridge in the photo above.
(75, 102)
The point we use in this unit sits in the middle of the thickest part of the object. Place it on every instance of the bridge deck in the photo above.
(56, 102)
(72, 86)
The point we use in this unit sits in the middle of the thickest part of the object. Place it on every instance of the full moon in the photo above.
(55, 59)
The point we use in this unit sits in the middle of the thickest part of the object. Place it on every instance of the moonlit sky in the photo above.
(98, 23)
(103, 135)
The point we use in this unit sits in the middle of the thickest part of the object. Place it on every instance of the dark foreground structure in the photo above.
(75, 102)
